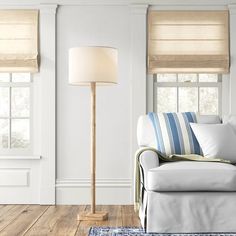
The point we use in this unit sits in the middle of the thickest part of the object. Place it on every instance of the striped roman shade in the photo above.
(174, 134)
(18, 40)
(188, 41)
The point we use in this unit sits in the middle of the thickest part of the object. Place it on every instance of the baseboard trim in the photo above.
(109, 191)
(100, 183)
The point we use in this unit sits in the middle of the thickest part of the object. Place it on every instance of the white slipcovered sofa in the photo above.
(185, 196)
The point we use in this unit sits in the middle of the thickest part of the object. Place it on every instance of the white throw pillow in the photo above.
(216, 140)
(231, 120)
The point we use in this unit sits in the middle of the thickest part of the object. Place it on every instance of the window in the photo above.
(187, 92)
(15, 112)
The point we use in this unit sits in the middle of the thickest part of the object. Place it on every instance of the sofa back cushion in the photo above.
(231, 120)
(170, 133)
(208, 119)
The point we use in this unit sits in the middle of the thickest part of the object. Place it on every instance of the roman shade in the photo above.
(18, 40)
(188, 41)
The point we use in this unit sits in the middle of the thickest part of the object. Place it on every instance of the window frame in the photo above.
(197, 85)
(19, 151)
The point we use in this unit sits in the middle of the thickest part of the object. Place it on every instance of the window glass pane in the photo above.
(20, 102)
(188, 99)
(208, 77)
(167, 99)
(20, 133)
(166, 78)
(4, 133)
(187, 77)
(20, 77)
(208, 101)
(4, 77)
(4, 102)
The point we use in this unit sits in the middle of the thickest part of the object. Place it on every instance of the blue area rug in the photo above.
(128, 231)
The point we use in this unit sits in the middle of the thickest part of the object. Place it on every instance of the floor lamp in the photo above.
(91, 66)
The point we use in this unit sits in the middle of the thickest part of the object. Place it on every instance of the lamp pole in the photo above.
(93, 215)
(93, 146)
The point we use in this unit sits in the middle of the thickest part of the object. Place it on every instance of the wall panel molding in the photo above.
(232, 86)
(138, 73)
(14, 177)
(48, 102)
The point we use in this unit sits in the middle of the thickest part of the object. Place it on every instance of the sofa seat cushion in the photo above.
(192, 176)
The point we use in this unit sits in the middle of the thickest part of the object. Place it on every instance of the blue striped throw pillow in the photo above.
(174, 134)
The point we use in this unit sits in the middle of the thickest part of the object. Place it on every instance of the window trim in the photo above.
(19, 151)
(197, 84)
(20, 157)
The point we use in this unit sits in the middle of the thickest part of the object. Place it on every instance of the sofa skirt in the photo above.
(188, 212)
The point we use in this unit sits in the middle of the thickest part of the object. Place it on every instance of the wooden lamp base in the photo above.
(97, 216)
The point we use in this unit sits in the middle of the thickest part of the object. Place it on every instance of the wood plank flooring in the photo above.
(36, 220)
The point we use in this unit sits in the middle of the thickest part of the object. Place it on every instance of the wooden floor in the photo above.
(58, 220)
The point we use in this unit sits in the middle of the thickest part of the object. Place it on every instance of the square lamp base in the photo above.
(97, 216)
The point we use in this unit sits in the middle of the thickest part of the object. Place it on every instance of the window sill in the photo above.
(20, 157)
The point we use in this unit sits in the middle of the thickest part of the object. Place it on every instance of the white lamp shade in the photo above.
(92, 64)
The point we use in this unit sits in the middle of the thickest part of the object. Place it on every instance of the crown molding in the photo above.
(188, 7)
(44, 7)
(139, 9)
(26, 3)
(18, 6)
(232, 8)
(48, 8)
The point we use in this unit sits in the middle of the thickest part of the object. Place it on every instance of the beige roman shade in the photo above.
(188, 41)
(18, 40)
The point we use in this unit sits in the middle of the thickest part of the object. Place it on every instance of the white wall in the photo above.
(112, 23)
(93, 25)
(116, 106)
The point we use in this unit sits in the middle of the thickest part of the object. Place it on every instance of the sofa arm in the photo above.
(147, 160)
